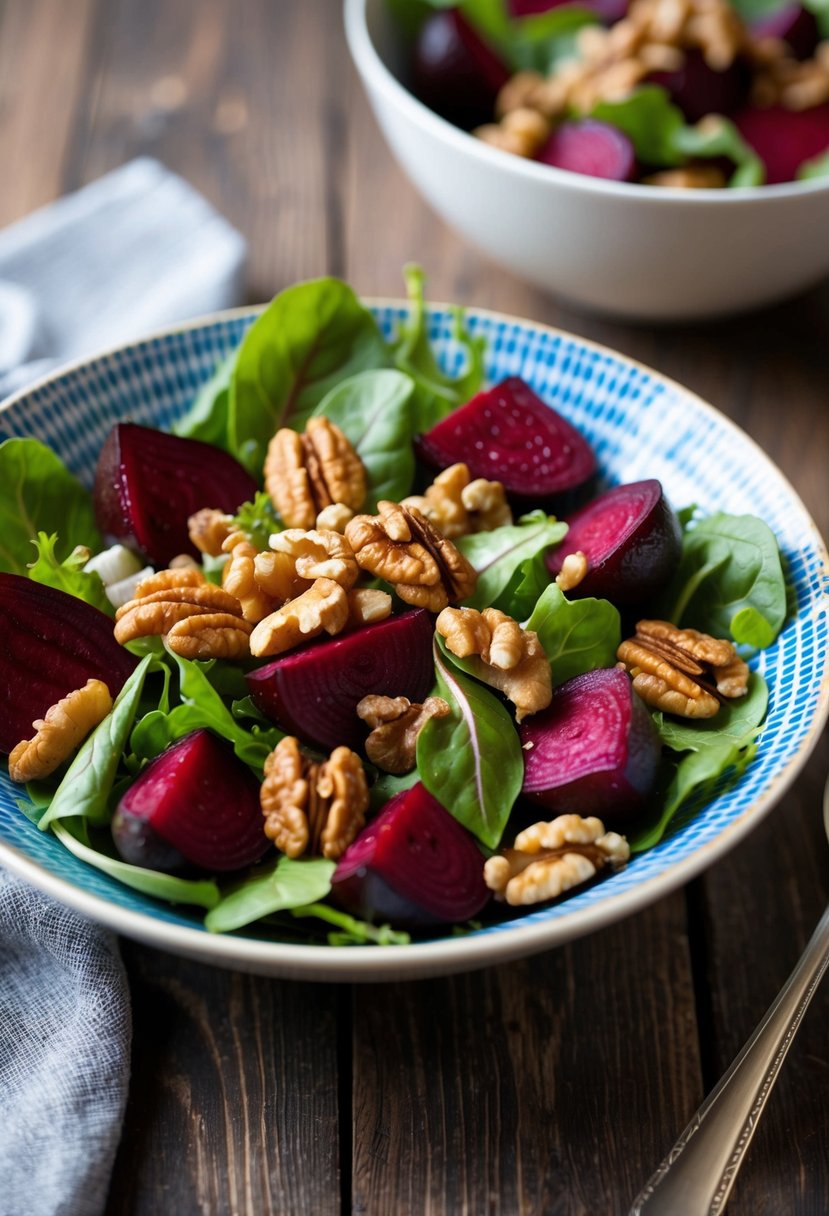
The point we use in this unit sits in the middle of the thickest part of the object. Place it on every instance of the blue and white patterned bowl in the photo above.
(641, 425)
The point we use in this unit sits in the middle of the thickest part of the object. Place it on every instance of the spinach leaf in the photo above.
(207, 418)
(353, 932)
(436, 394)
(200, 891)
(818, 166)
(281, 884)
(577, 635)
(387, 786)
(730, 580)
(734, 720)
(39, 494)
(373, 410)
(540, 41)
(716, 136)
(498, 554)
(650, 121)
(258, 519)
(309, 338)
(68, 575)
(526, 586)
(471, 760)
(86, 786)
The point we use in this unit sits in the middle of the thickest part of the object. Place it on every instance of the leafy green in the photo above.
(388, 785)
(577, 635)
(201, 891)
(207, 417)
(39, 494)
(309, 338)
(353, 932)
(730, 580)
(281, 884)
(498, 554)
(733, 720)
(716, 136)
(258, 519)
(471, 760)
(818, 166)
(373, 410)
(436, 394)
(525, 587)
(86, 786)
(68, 575)
(540, 41)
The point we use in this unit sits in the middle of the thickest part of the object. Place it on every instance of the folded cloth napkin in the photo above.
(134, 251)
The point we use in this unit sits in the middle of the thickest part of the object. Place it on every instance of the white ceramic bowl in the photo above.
(633, 251)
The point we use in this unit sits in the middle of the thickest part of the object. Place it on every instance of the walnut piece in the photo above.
(66, 724)
(395, 724)
(219, 635)
(402, 547)
(573, 570)
(169, 603)
(305, 473)
(500, 653)
(456, 505)
(321, 553)
(209, 529)
(682, 671)
(335, 517)
(313, 807)
(548, 859)
(322, 608)
(367, 604)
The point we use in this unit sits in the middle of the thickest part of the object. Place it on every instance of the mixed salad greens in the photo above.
(316, 350)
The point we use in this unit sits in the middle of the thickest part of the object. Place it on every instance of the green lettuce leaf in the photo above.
(577, 635)
(818, 166)
(68, 575)
(258, 519)
(350, 931)
(716, 136)
(279, 885)
(496, 555)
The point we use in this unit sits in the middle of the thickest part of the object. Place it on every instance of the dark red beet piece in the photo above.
(412, 865)
(609, 11)
(50, 644)
(508, 434)
(794, 25)
(784, 139)
(590, 147)
(594, 751)
(698, 90)
(147, 483)
(195, 803)
(314, 692)
(631, 539)
(454, 73)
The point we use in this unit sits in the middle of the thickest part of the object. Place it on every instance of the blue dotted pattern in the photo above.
(639, 425)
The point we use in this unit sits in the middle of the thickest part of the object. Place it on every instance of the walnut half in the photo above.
(310, 807)
(306, 473)
(66, 725)
(548, 859)
(501, 654)
(682, 671)
(395, 724)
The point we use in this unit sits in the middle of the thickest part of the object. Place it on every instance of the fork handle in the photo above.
(696, 1177)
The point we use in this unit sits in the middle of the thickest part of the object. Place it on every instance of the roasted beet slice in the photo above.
(412, 865)
(454, 72)
(631, 539)
(593, 148)
(609, 11)
(784, 139)
(314, 692)
(792, 24)
(594, 751)
(195, 803)
(50, 644)
(148, 482)
(698, 90)
(508, 434)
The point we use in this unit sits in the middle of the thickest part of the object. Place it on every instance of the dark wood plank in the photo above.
(233, 1097)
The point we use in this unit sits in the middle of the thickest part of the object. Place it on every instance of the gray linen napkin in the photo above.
(132, 252)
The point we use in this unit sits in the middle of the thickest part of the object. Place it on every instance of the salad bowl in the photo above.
(641, 425)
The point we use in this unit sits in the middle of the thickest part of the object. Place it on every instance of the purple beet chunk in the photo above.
(699, 90)
(508, 434)
(784, 139)
(454, 73)
(594, 751)
(793, 24)
(631, 539)
(314, 692)
(148, 483)
(609, 11)
(50, 644)
(197, 802)
(412, 865)
(590, 147)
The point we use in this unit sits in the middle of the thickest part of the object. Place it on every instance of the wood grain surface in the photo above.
(547, 1086)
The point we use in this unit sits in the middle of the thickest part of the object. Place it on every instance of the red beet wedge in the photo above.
(412, 865)
(454, 72)
(148, 482)
(194, 804)
(508, 434)
(50, 644)
(632, 542)
(794, 25)
(699, 90)
(594, 751)
(314, 692)
(784, 139)
(592, 148)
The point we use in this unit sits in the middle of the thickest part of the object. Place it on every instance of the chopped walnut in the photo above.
(573, 570)
(306, 473)
(395, 724)
(167, 603)
(215, 635)
(366, 605)
(691, 177)
(335, 517)
(402, 547)
(456, 505)
(313, 807)
(682, 671)
(242, 578)
(66, 725)
(318, 554)
(209, 529)
(548, 859)
(322, 608)
(501, 654)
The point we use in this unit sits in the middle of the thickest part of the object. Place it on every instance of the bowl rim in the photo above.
(447, 955)
(375, 73)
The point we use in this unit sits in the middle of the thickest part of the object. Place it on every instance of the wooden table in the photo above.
(553, 1085)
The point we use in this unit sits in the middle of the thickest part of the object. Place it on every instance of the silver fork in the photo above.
(696, 1177)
